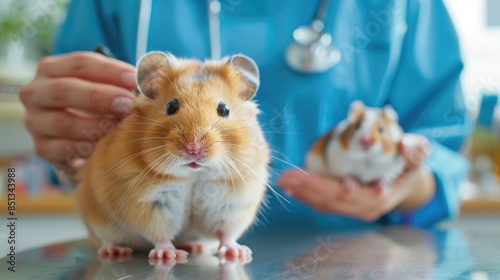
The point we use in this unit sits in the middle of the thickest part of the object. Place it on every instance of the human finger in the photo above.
(62, 152)
(79, 94)
(89, 66)
(63, 124)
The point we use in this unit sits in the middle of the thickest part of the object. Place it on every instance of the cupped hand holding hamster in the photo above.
(364, 167)
(362, 149)
(188, 167)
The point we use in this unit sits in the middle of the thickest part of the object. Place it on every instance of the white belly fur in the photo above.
(196, 210)
(366, 167)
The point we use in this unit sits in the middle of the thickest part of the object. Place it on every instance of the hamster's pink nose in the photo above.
(366, 142)
(193, 148)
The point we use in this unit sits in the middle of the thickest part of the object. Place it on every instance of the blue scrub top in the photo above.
(399, 52)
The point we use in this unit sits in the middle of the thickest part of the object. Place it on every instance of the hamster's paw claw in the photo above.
(117, 251)
(235, 252)
(168, 254)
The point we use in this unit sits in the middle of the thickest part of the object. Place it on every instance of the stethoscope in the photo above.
(311, 50)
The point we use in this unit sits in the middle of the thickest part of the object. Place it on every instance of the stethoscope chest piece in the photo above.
(311, 50)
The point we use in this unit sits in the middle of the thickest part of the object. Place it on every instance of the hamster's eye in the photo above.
(381, 129)
(358, 125)
(172, 107)
(223, 110)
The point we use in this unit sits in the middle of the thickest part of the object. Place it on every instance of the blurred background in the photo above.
(27, 28)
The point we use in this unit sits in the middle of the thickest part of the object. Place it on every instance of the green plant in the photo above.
(18, 17)
(11, 21)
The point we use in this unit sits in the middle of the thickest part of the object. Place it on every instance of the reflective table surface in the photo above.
(468, 248)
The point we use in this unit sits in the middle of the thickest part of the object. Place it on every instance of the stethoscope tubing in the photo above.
(214, 8)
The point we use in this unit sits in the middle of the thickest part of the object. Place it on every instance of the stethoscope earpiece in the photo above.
(311, 50)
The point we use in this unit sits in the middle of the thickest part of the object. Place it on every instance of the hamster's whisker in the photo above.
(291, 164)
(239, 146)
(129, 189)
(144, 171)
(234, 166)
(173, 85)
(275, 117)
(225, 164)
(218, 165)
(284, 133)
(142, 123)
(145, 131)
(166, 160)
(123, 161)
(215, 123)
(272, 170)
(154, 121)
(263, 125)
(125, 142)
(264, 181)
(261, 212)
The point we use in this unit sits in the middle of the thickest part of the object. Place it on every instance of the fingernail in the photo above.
(122, 105)
(77, 163)
(129, 79)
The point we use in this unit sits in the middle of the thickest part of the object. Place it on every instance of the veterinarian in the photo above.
(399, 52)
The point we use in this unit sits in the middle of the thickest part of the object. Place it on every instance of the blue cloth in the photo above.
(399, 52)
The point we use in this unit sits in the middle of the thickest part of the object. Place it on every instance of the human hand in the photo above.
(414, 149)
(74, 100)
(410, 190)
(329, 195)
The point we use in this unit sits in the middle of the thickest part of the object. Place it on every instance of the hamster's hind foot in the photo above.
(166, 251)
(233, 251)
(114, 252)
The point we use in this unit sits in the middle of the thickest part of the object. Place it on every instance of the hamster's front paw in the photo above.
(168, 254)
(114, 251)
(234, 251)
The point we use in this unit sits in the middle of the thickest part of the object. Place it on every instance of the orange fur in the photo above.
(384, 121)
(358, 114)
(319, 146)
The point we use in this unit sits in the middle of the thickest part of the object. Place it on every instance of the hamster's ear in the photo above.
(389, 113)
(148, 70)
(357, 107)
(250, 72)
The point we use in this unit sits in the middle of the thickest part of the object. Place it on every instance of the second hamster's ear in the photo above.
(357, 107)
(389, 113)
(250, 72)
(148, 70)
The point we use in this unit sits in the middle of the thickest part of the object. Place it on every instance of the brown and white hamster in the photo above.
(188, 167)
(363, 148)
